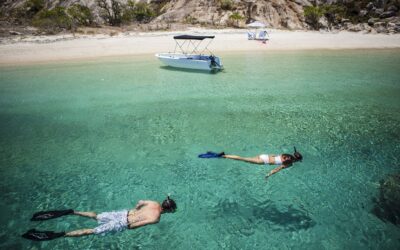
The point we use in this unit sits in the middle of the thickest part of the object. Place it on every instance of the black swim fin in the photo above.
(36, 235)
(210, 154)
(46, 215)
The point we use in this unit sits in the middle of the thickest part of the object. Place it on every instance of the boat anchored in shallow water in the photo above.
(191, 59)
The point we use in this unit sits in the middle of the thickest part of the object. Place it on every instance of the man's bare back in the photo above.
(145, 212)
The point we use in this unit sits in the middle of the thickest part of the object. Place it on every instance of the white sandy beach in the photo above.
(67, 47)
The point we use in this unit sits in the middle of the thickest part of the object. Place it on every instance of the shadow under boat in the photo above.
(199, 71)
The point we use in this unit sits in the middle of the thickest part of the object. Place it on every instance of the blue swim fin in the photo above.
(210, 154)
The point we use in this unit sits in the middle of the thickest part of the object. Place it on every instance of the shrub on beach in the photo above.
(191, 20)
(140, 12)
(351, 10)
(111, 11)
(312, 15)
(143, 12)
(341, 13)
(235, 18)
(52, 21)
(334, 13)
(27, 11)
(116, 13)
(33, 7)
(128, 14)
(80, 15)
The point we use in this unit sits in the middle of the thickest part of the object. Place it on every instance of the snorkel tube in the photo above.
(297, 155)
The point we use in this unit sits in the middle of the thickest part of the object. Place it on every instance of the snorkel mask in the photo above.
(169, 205)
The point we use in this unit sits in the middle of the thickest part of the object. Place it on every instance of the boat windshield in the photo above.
(188, 44)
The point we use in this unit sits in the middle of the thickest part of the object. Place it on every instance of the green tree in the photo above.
(52, 21)
(111, 13)
(128, 14)
(312, 15)
(352, 10)
(143, 12)
(333, 13)
(32, 7)
(81, 15)
(27, 11)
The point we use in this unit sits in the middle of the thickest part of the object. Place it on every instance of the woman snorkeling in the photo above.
(283, 160)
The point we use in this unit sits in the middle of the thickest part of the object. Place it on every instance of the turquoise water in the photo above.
(101, 135)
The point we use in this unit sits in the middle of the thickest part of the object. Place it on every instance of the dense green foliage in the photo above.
(33, 6)
(80, 15)
(143, 12)
(27, 11)
(129, 12)
(334, 13)
(117, 13)
(312, 15)
(349, 11)
(52, 20)
(34, 12)
(112, 12)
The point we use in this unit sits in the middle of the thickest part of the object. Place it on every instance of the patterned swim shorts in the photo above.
(112, 221)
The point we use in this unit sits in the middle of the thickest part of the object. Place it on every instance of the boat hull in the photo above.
(198, 62)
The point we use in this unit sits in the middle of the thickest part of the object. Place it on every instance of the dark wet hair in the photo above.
(290, 161)
(168, 205)
(292, 158)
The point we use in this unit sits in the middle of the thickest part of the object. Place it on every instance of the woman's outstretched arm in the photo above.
(276, 170)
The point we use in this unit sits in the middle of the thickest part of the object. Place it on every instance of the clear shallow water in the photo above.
(102, 135)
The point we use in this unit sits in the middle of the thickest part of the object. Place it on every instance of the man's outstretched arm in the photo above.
(142, 223)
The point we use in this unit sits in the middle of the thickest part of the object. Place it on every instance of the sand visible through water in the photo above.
(101, 135)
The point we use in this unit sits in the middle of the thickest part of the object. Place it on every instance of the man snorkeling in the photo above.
(144, 213)
(283, 160)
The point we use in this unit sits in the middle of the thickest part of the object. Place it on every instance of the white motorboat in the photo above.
(191, 59)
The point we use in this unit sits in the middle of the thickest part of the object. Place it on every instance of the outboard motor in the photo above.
(214, 63)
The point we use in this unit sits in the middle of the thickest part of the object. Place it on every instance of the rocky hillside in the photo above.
(63, 15)
(275, 13)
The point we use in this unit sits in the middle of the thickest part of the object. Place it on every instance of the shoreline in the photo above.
(64, 48)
